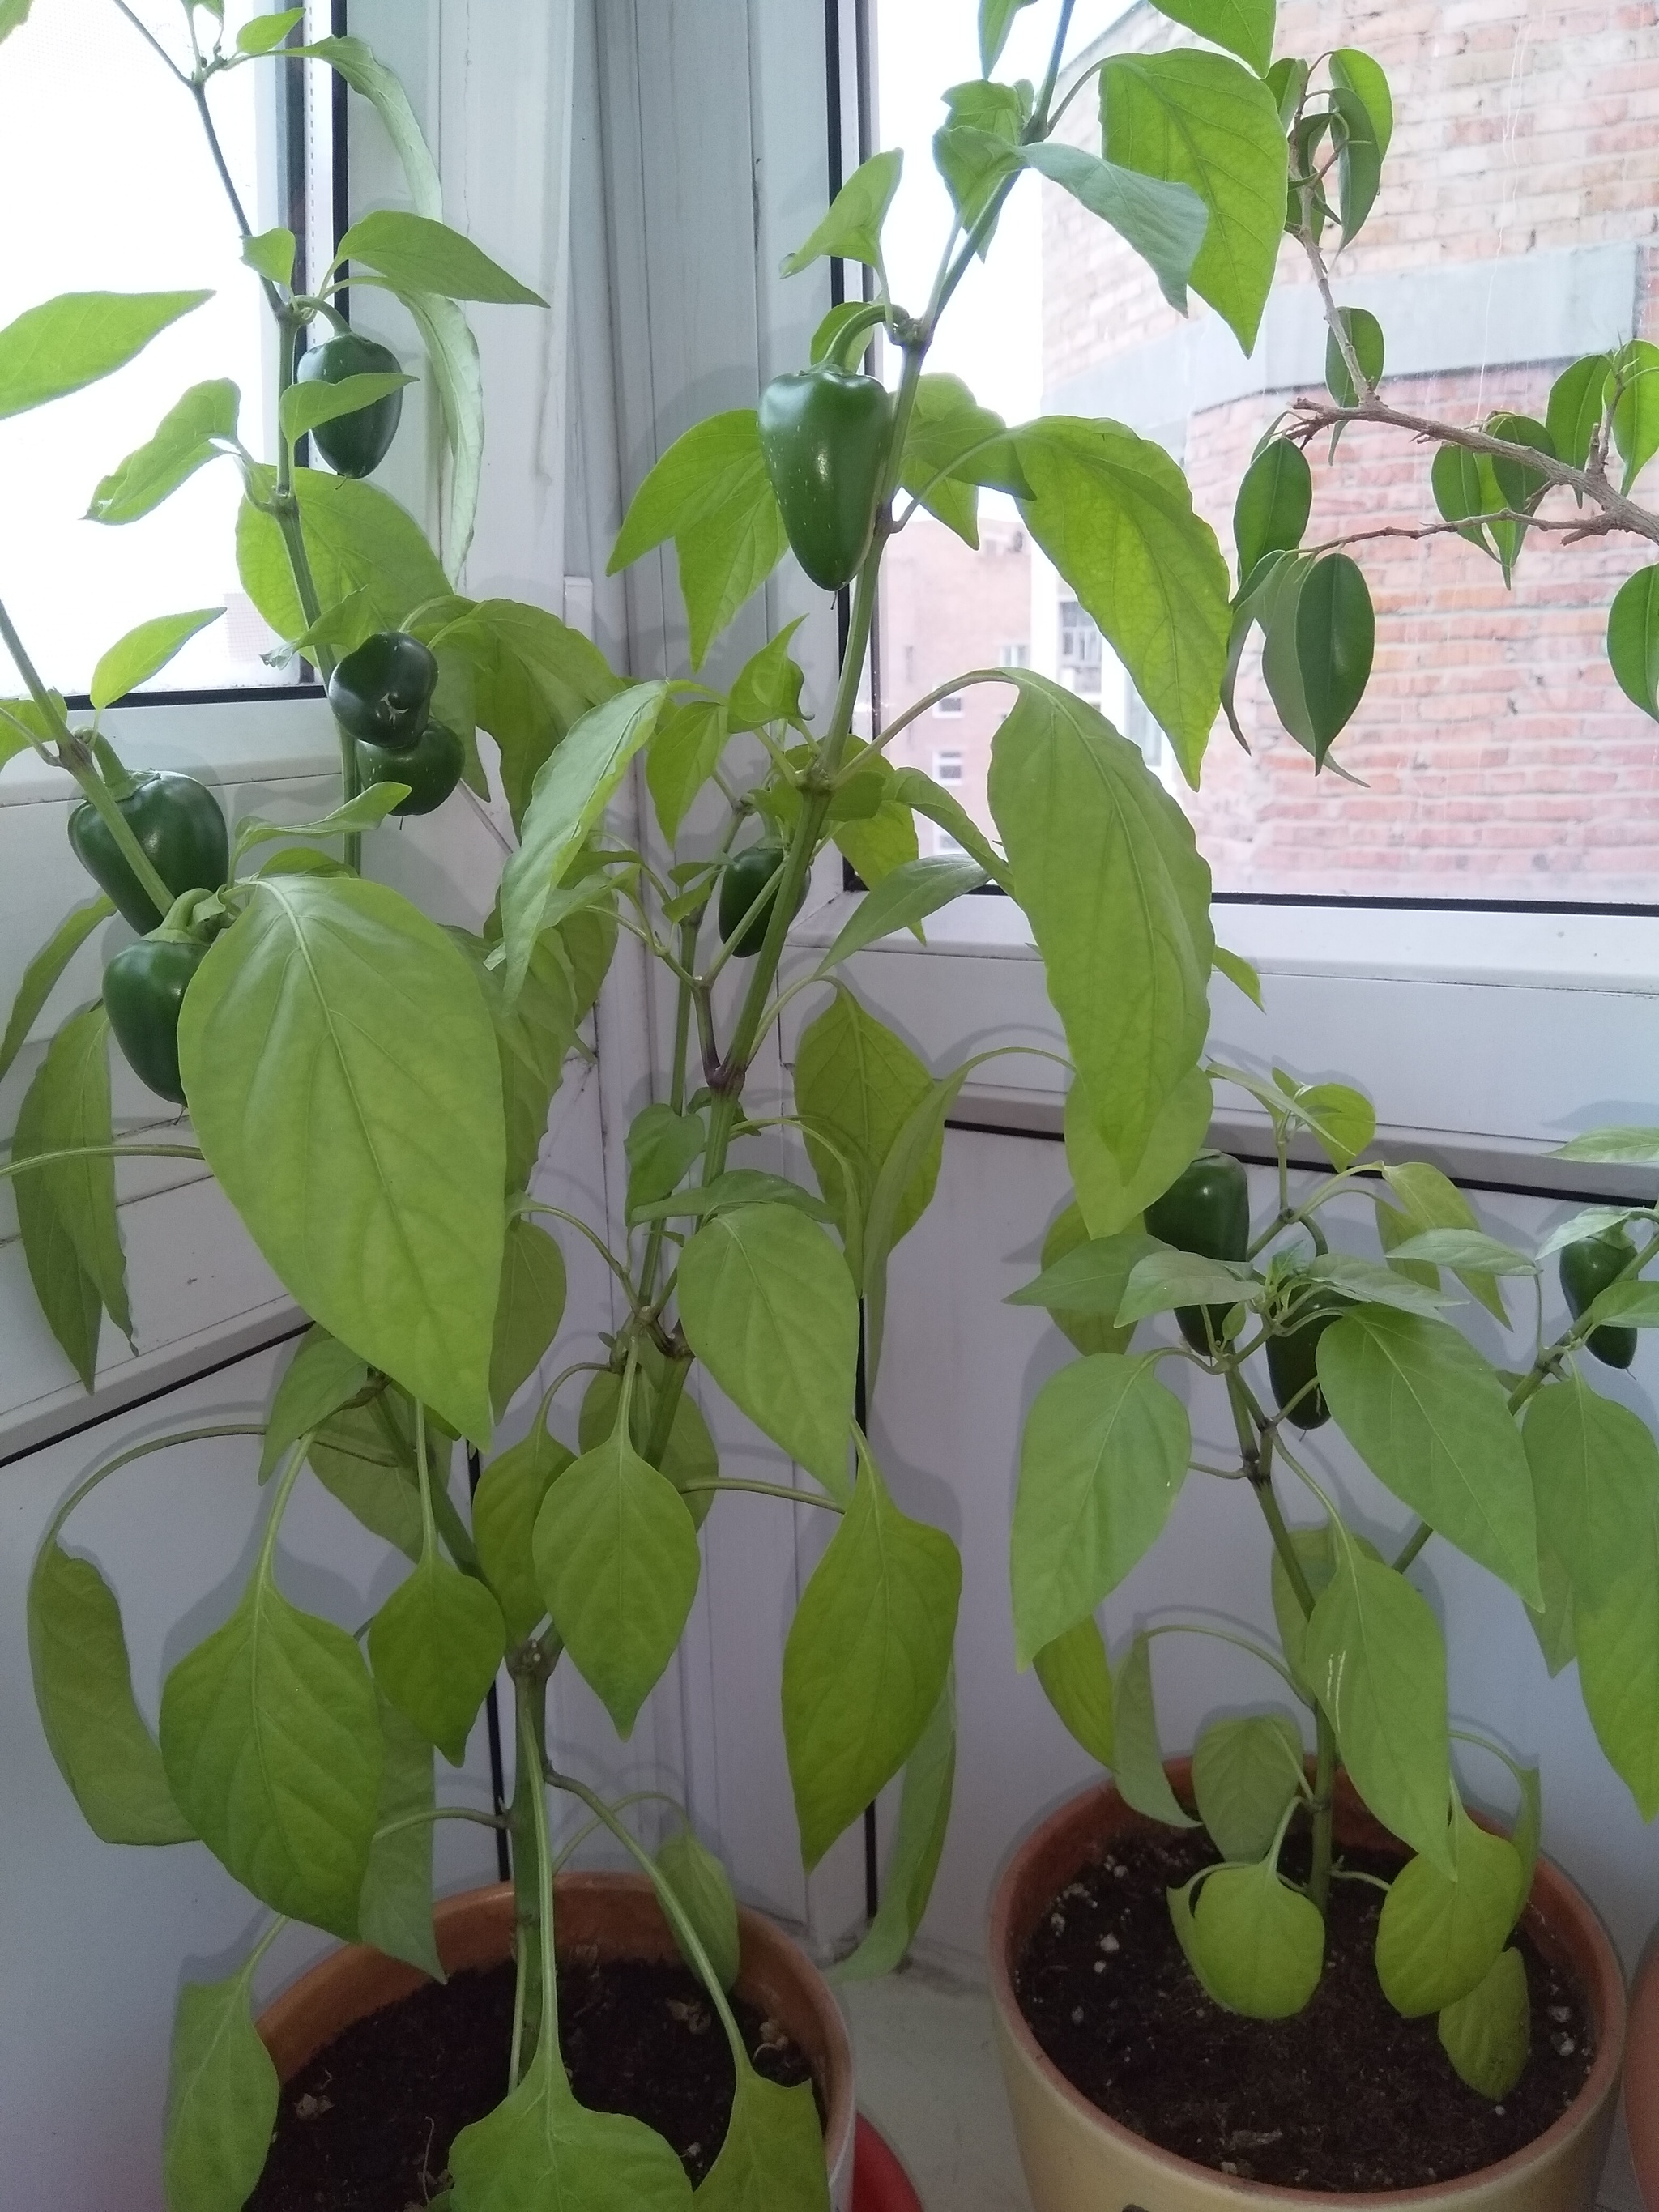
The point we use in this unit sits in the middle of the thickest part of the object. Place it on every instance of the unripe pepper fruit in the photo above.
(1294, 1363)
(1587, 1268)
(180, 829)
(746, 877)
(1206, 1210)
(354, 445)
(144, 988)
(431, 766)
(824, 434)
(381, 693)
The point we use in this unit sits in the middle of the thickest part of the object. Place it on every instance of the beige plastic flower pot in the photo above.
(1077, 2160)
(616, 1914)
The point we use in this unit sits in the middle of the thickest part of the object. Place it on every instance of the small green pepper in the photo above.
(381, 693)
(179, 829)
(824, 434)
(354, 445)
(1206, 1210)
(1293, 1362)
(747, 874)
(1586, 1270)
(144, 988)
(431, 768)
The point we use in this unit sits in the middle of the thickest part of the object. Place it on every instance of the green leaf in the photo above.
(323, 1375)
(911, 787)
(1441, 1933)
(528, 1311)
(1091, 1277)
(842, 338)
(1624, 1147)
(75, 339)
(1245, 1774)
(371, 1471)
(345, 1087)
(190, 434)
(1377, 1663)
(1317, 1551)
(867, 1659)
(1078, 1683)
(618, 1562)
(1595, 1478)
(359, 540)
(737, 1187)
(1371, 350)
(43, 974)
(851, 231)
(366, 812)
(1110, 1202)
(1466, 1249)
(1115, 515)
(1431, 1420)
(263, 34)
(571, 792)
(1164, 221)
(879, 841)
(1245, 27)
(1138, 1767)
(1165, 1280)
(355, 61)
(1088, 1330)
(67, 1293)
(272, 1747)
(691, 736)
(924, 1814)
(916, 1146)
(689, 1460)
(306, 405)
(1275, 502)
(14, 14)
(703, 1893)
(996, 18)
(952, 447)
(1431, 1201)
(452, 352)
(1101, 1461)
(1635, 381)
(978, 150)
(1633, 641)
(903, 898)
(856, 1085)
(710, 493)
(1363, 107)
(772, 2154)
(767, 1305)
(1635, 1304)
(144, 652)
(418, 254)
(768, 687)
(1239, 971)
(662, 1147)
(83, 1690)
(395, 1912)
(1576, 406)
(1552, 1622)
(534, 1033)
(1487, 2035)
(1335, 644)
(1198, 118)
(540, 2148)
(222, 2095)
(504, 1511)
(436, 1645)
(1617, 1631)
(70, 1096)
(1118, 900)
(1257, 1945)
(1366, 1283)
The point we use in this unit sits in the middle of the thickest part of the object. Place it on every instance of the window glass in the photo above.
(1499, 761)
(112, 187)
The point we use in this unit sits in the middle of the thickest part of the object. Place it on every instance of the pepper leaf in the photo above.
(45, 972)
(418, 254)
(1137, 1764)
(772, 2154)
(435, 1646)
(924, 1814)
(1257, 1945)
(222, 2095)
(1078, 1683)
(197, 429)
(1245, 1773)
(1110, 1202)
(1487, 2035)
(395, 1912)
(509, 1498)
(1164, 219)
(79, 337)
(144, 652)
(703, 1893)
(359, 540)
(852, 229)
(1440, 1933)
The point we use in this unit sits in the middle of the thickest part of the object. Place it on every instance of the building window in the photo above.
(949, 706)
(945, 845)
(947, 767)
(1014, 656)
(1080, 643)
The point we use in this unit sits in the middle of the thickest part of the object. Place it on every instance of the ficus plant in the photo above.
(372, 1092)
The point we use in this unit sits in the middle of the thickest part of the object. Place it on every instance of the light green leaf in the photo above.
(272, 1747)
(662, 1147)
(1441, 1933)
(1167, 1279)
(1616, 1633)
(914, 1149)
(1245, 27)
(1317, 1552)
(691, 736)
(304, 406)
(504, 1512)
(1257, 1945)
(366, 812)
(879, 843)
(359, 540)
(1634, 1304)
(1274, 503)
(1110, 1200)
(1589, 1221)
(395, 1912)
(737, 1187)
(355, 61)
(1552, 1622)
(144, 652)
(71, 1096)
(370, 1469)
(1363, 107)
(323, 1375)
(1595, 1479)
(452, 352)
(1343, 1122)
(710, 493)
(1487, 2035)
(1467, 1249)
(1245, 1774)
(703, 1893)
(907, 896)
(689, 1460)
(918, 1843)
(68, 1295)
(75, 339)
(1078, 1683)
(768, 686)
(772, 2154)
(1240, 972)
(83, 1690)
(528, 1311)
(571, 790)
(1621, 1148)
(1115, 515)
(1164, 221)
(1634, 379)
(1633, 641)
(191, 434)
(618, 1562)
(435, 1646)
(1197, 119)
(867, 1659)
(14, 14)
(222, 2095)
(911, 787)
(852, 229)
(41, 977)
(343, 1085)
(1138, 1768)
(1432, 1201)
(418, 254)
(1367, 1284)
(1091, 1277)
(534, 1033)
(263, 34)
(1431, 1420)
(1377, 1661)
(1118, 900)
(951, 447)
(1097, 1330)
(540, 2148)
(996, 18)
(1101, 1461)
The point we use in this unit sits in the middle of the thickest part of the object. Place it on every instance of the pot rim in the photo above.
(1561, 1899)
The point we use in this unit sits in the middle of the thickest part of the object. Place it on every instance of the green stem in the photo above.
(439, 1812)
(671, 1391)
(1226, 1636)
(296, 1460)
(110, 1467)
(532, 1881)
(1419, 1537)
(760, 1489)
(99, 1152)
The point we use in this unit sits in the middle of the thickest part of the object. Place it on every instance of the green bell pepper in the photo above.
(180, 829)
(1587, 1268)
(354, 445)
(747, 874)
(1206, 1210)
(824, 434)
(431, 766)
(381, 693)
(144, 988)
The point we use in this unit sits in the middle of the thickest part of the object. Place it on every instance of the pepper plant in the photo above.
(372, 1092)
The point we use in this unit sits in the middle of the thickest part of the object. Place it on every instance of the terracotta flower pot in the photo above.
(617, 1915)
(1642, 2077)
(1077, 2160)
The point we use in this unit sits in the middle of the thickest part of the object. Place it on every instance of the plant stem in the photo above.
(532, 1863)
(760, 1489)
(85, 1488)
(100, 1152)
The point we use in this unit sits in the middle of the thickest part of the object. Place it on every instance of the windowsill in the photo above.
(269, 734)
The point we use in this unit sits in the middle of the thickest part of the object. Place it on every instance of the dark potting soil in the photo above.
(1348, 2095)
(367, 2126)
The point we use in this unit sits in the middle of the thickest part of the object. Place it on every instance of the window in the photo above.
(1014, 656)
(132, 206)
(949, 708)
(947, 767)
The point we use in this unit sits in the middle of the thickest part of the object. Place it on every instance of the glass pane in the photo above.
(111, 186)
(1500, 760)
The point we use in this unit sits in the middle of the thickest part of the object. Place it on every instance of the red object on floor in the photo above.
(879, 2182)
